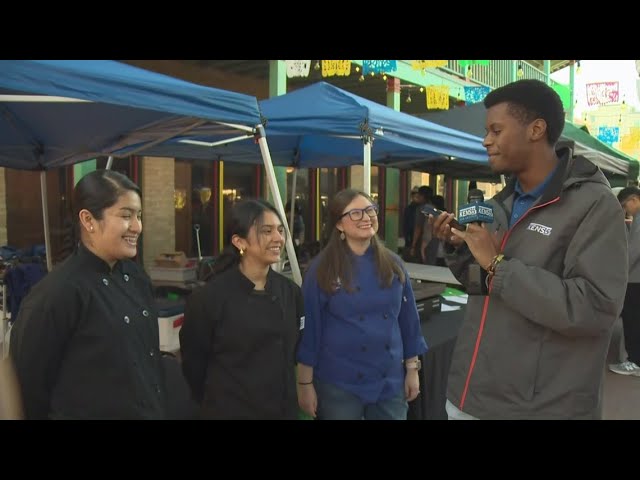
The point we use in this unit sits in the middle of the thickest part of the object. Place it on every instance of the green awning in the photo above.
(585, 144)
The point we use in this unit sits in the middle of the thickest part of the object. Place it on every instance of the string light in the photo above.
(357, 68)
(373, 74)
(421, 89)
(361, 78)
(384, 77)
(409, 96)
(520, 71)
(317, 65)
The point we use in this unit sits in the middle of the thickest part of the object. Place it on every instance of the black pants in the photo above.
(631, 322)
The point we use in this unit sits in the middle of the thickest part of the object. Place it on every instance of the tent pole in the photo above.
(366, 174)
(109, 163)
(293, 195)
(45, 217)
(277, 199)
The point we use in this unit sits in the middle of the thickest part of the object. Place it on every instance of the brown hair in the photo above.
(336, 261)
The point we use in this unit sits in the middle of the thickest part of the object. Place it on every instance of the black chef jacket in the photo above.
(238, 346)
(86, 343)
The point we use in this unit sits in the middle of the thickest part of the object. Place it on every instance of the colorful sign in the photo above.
(422, 64)
(438, 97)
(602, 93)
(331, 68)
(297, 68)
(475, 94)
(609, 135)
(379, 66)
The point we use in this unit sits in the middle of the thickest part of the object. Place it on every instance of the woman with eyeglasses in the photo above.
(358, 357)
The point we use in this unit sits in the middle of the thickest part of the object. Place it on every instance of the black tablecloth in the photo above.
(440, 331)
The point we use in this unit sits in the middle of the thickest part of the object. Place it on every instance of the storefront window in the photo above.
(302, 230)
(238, 184)
(201, 204)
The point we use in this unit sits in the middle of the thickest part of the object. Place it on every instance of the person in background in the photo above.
(409, 219)
(550, 272)
(240, 330)
(297, 229)
(432, 248)
(629, 198)
(359, 352)
(425, 197)
(85, 344)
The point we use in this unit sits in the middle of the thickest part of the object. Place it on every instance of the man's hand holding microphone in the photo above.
(469, 228)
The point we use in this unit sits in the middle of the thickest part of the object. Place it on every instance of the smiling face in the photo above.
(264, 242)
(509, 141)
(115, 236)
(365, 225)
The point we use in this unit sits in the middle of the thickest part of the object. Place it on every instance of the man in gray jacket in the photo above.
(629, 198)
(534, 341)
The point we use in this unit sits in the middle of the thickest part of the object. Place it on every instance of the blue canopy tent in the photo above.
(60, 112)
(322, 125)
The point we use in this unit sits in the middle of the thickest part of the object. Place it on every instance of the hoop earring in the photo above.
(241, 252)
(342, 237)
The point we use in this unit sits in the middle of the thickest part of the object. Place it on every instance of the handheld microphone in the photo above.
(476, 211)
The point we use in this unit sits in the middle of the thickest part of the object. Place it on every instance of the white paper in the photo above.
(448, 308)
(461, 299)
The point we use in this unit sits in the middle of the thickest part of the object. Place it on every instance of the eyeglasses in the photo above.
(357, 213)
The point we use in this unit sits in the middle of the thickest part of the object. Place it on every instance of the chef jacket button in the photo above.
(105, 281)
(385, 315)
(126, 319)
(126, 277)
(151, 353)
(145, 313)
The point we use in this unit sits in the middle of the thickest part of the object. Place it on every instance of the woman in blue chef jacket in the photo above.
(358, 357)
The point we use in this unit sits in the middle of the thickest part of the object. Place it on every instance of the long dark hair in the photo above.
(96, 192)
(244, 215)
(337, 261)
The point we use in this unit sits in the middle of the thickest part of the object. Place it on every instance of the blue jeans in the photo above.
(337, 404)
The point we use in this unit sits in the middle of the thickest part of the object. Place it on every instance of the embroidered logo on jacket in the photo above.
(536, 227)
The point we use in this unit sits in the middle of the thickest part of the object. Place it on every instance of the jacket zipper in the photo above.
(485, 307)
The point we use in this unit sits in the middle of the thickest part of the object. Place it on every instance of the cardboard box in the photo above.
(171, 260)
(173, 274)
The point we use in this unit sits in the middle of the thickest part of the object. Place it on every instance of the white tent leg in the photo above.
(277, 199)
(45, 217)
(109, 163)
(366, 174)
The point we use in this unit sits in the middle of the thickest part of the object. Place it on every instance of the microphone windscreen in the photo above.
(475, 212)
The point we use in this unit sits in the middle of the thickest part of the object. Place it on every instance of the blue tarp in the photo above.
(125, 106)
(306, 128)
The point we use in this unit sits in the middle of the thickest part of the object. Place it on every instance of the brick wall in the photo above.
(157, 207)
(3, 209)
